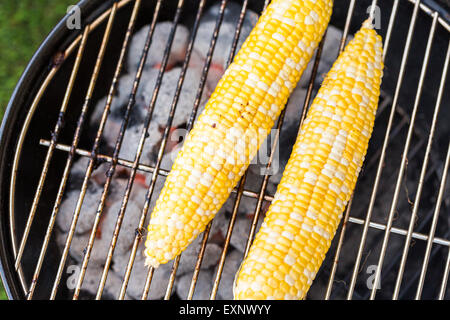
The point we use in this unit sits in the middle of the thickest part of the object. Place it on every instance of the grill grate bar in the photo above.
(264, 185)
(410, 283)
(351, 8)
(221, 264)
(276, 138)
(400, 231)
(140, 148)
(111, 170)
(198, 263)
(205, 71)
(413, 279)
(423, 171)
(392, 17)
(347, 213)
(393, 262)
(95, 146)
(404, 161)
(349, 205)
(254, 195)
(394, 133)
(36, 100)
(161, 152)
(173, 274)
(237, 202)
(242, 182)
(434, 223)
(383, 152)
(430, 12)
(49, 156)
(445, 278)
(55, 134)
(338, 250)
(102, 157)
(74, 145)
(142, 167)
(148, 282)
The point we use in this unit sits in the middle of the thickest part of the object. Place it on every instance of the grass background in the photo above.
(23, 26)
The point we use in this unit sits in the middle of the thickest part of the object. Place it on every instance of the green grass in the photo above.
(2, 293)
(23, 26)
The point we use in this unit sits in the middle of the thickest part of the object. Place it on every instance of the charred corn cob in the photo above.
(319, 177)
(237, 118)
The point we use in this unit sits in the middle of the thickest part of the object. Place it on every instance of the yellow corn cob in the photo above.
(236, 119)
(319, 177)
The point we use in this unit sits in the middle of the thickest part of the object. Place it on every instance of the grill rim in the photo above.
(24, 92)
(33, 70)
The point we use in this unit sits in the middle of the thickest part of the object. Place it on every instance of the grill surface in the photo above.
(406, 224)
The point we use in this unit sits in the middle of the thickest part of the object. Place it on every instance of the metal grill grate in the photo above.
(397, 118)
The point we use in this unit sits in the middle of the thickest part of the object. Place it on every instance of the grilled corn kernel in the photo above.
(237, 118)
(320, 177)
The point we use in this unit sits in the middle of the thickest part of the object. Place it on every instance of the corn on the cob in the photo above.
(319, 177)
(236, 119)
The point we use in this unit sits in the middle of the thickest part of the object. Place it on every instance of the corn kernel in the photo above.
(263, 73)
(324, 165)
